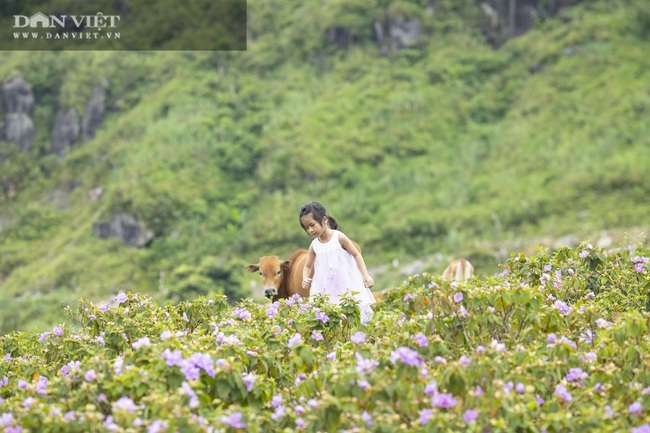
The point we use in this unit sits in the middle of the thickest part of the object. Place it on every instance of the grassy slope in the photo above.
(415, 154)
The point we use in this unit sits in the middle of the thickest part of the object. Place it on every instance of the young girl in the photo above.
(338, 266)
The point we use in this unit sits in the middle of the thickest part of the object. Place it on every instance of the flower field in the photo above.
(558, 342)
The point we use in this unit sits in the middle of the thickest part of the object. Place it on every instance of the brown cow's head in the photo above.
(271, 268)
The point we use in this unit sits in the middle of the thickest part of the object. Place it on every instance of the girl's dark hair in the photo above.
(318, 211)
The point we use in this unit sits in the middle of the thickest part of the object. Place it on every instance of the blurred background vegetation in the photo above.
(430, 129)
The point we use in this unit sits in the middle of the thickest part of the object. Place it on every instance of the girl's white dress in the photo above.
(336, 274)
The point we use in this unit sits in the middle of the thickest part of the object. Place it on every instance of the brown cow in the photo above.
(458, 270)
(283, 278)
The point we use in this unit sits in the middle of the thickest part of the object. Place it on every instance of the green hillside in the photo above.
(458, 143)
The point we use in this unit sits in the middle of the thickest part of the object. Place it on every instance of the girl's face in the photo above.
(312, 226)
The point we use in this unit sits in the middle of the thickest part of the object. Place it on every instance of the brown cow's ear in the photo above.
(286, 265)
(253, 268)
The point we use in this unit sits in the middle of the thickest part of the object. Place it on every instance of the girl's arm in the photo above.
(346, 243)
(306, 271)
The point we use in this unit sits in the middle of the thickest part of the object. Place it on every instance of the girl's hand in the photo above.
(368, 281)
(306, 282)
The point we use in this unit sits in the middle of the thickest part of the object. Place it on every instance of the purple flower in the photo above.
(272, 310)
(431, 388)
(470, 416)
(101, 398)
(440, 360)
(358, 338)
(547, 268)
(565, 340)
(276, 400)
(125, 403)
(331, 356)
(539, 400)
(276, 329)
(234, 420)
(562, 307)
(425, 416)
(300, 423)
(365, 417)
(172, 358)
(6, 419)
(44, 336)
(636, 407)
(69, 416)
(4, 381)
(249, 381)
(104, 307)
(279, 412)
(58, 331)
(421, 340)
(507, 387)
(443, 400)
(322, 317)
(365, 366)
(587, 336)
(480, 350)
(575, 374)
(406, 355)
(363, 384)
(520, 388)
(464, 361)
(121, 298)
(242, 313)
(583, 254)
(602, 323)
(90, 375)
(203, 361)
(544, 278)
(639, 263)
(142, 342)
(590, 295)
(316, 335)
(645, 428)
(458, 297)
(312, 403)
(189, 370)
(41, 385)
(22, 384)
(110, 425)
(194, 399)
(296, 339)
(157, 426)
(561, 391)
